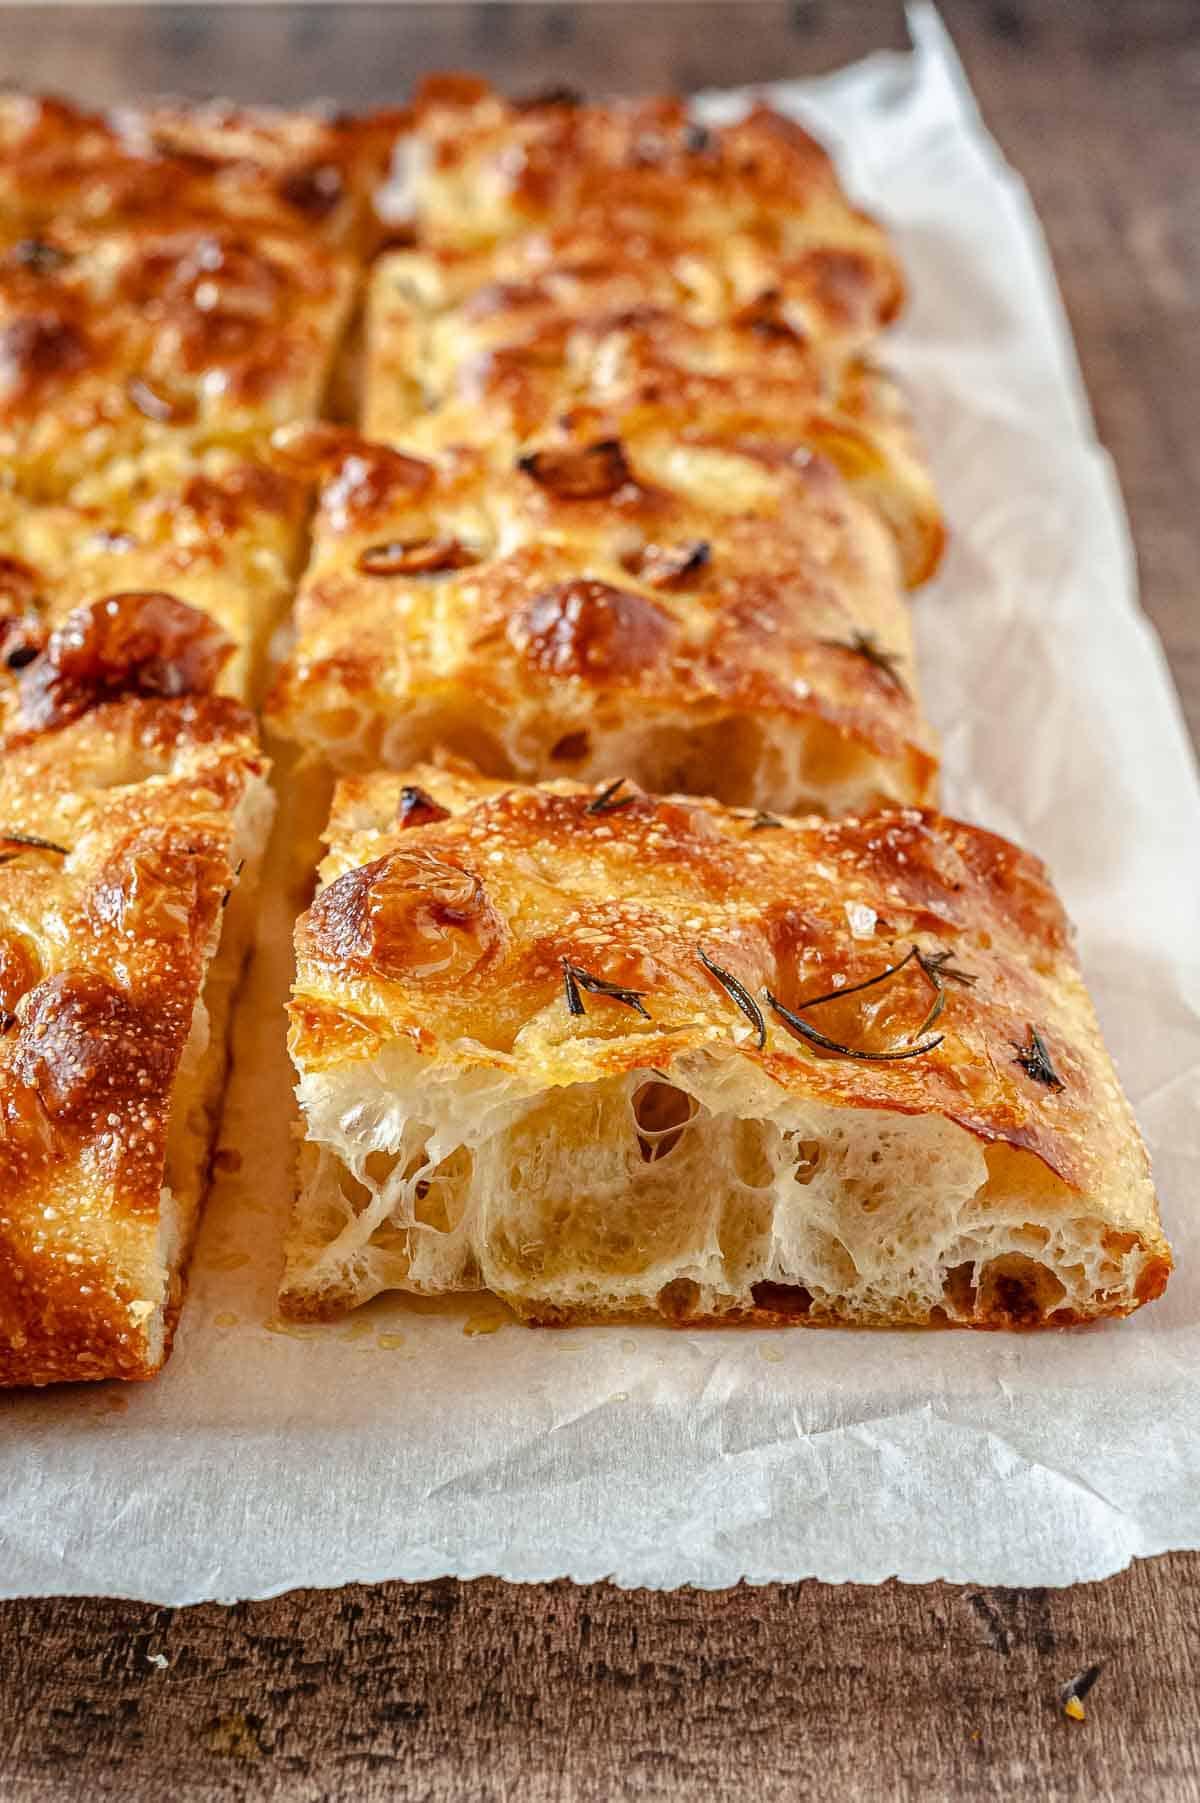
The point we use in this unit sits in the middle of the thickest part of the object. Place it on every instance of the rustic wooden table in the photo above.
(444, 1690)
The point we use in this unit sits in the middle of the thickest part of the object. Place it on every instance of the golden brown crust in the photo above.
(598, 587)
(485, 170)
(491, 349)
(452, 935)
(117, 853)
(271, 170)
(113, 343)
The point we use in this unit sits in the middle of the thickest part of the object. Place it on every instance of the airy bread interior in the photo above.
(699, 1193)
(793, 762)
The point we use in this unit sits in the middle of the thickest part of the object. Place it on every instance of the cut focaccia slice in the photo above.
(488, 350)
(264, 168)
(129, 845)
(479, 170)
(118, 342)
(216, 530)
(608, 1055)
(698, 617)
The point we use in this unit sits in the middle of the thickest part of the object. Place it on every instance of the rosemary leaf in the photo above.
(29, 842)
(835, 995)
(846, 1051)
(609, 801)
(867, 646)
(739, 995)
(1034, 1059)
(576, 978)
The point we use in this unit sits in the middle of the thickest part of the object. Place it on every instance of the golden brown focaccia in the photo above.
(701, 617)
(493, 364)
(114, 343)
(609, 1055)
(267, 169)
(214, 529)
(129, 844)
(761, 192)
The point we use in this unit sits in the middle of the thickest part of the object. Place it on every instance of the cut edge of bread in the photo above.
(795, 763)
(699, 1194)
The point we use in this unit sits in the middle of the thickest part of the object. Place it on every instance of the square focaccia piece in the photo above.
(761, 192)
(111, 344)
(267, 169)
(214, 529)
(609, 1055)
(692, 617)
(618, 336)
(130, 840)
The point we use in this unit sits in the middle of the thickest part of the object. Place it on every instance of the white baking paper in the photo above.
(399, 1445)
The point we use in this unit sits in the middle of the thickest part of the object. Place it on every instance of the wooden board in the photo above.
(444, 1691)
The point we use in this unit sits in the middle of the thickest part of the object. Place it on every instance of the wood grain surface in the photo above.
(444, 1691)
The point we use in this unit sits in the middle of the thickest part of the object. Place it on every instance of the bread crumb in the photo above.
(388, 1342)
(1075, 1709)
(357, 1330)
(484, 1323)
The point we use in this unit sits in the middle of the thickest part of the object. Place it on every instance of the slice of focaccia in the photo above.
(267, 169)
(130, 838)
(609, 1055)
(216, 530)
(114, 342)
(485, 351)
(700, 616)
(761, 192)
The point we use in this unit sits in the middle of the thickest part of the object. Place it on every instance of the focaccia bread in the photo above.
(697, 616)
(608, 1055)
(479, 170)
(216, 530)
(130, 839)
(116, 342)
(268, 169)
(489, 350)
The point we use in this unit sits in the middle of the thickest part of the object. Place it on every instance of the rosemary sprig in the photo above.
(738, 994)
(29, 842)
(935, 966)
(835, 995)
(867, 646)
(1034, 1059)
(846, 1051)
(576, 978)
(609, 801)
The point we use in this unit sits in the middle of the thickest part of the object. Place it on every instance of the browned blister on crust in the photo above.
(606, 1054)
(218, 531)
(123, 836)
(695, 615)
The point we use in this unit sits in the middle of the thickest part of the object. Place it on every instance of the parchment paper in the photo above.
(399, 1445)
